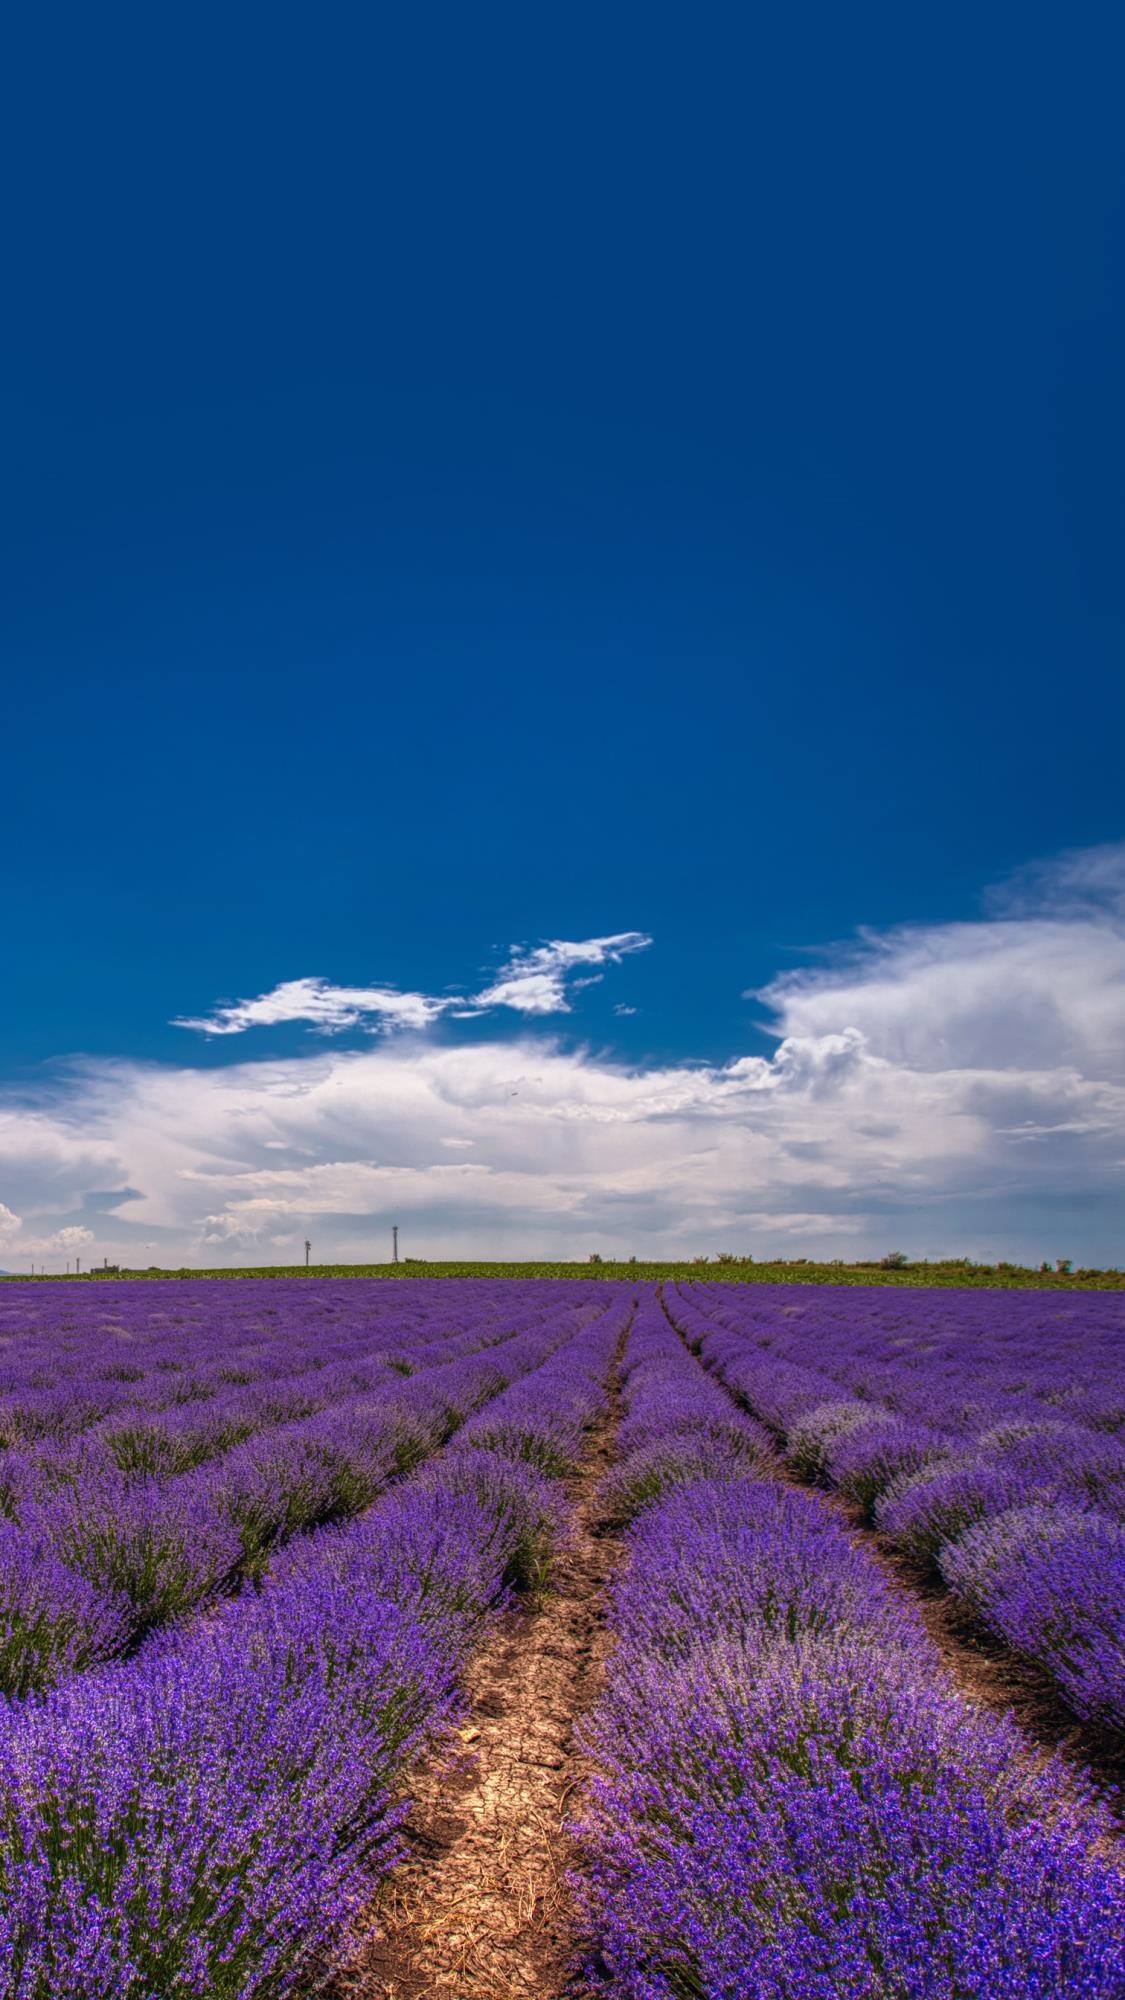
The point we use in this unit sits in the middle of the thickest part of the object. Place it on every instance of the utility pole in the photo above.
(394, 1243)
(308, 1247)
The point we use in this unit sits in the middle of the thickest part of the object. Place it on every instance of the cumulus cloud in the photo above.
(534, 981)
(72, 1238)
(64, 1243)
(1033, 986)
(956, 1088)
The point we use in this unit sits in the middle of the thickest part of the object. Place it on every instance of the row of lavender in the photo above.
(793, 1803)
(109, 1536)
(939, 1418)
(208, 1817)
(73, 1355)
(87, 1362)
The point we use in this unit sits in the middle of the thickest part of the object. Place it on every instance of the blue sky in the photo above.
(476, 482)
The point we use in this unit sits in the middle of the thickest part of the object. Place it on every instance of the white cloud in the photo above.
(534, 981)
(328, 1008)
(1030, 989)
(232, 1231)
(955, 1088)
(74, 1237)
(60, 1243)
(1083, 881)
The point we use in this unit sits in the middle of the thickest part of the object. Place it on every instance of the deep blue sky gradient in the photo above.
(483, 474)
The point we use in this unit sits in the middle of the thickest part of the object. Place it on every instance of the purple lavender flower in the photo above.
(817, 1435)
(863, 1462)
(923, 1510)
(792, 1801)
(1051, 1581)
(808, 1823)
(164, 1549)
(52, 1621)
(207, 1816)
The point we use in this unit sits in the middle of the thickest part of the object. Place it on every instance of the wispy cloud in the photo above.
(326, 1007)
(534, 981)
(1082, 881)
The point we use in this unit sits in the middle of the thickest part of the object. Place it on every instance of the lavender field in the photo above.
(295, 1574)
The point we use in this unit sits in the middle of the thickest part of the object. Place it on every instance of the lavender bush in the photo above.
(206, 1455)
(206, 1817)
(1051, 1581)
(792, 1801)
(939, 1413)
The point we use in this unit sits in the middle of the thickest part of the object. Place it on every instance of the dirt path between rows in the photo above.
(481, 1911)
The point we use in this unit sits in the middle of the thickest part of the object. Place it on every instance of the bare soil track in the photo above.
(481, 1909)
